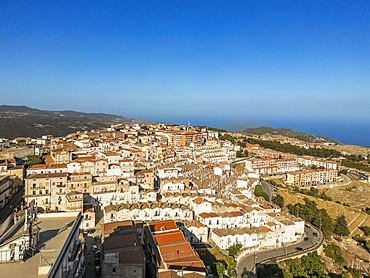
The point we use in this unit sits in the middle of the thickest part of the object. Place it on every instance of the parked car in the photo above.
(306, 238)
(91, 231)
(299, 248)
(97, 261)
(94, 248)
(97, 269)
(97, 254)
(96, 238)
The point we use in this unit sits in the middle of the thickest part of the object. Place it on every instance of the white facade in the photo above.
(168, 173)
(200, 205)
(172, 186)
(194, 231)
(146, 212)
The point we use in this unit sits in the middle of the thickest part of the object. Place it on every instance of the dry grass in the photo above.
(356, 194)
(355, 217)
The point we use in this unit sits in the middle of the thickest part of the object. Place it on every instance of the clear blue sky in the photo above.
(203, 61)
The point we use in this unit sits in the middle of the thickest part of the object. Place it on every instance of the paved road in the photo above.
(90, 255)
(267, 188)
(246, 266)
(11, 205)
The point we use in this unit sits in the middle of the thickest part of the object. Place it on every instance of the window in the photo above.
(114, 270)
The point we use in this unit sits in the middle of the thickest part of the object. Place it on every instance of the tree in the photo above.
(233, 250)
(231, 266)
(313, 265)
(333, 251)
(240, 153)
(310, 213)
(258, 192)
(271, 269)
(324, 221)
(313, 191)
(220, 269)
(341, 226)
(242, 144)
(32, 160)
(343, 171)
(295, 268)
(278, 200)
(366, 230)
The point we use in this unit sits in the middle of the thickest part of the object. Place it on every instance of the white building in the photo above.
(194, 231)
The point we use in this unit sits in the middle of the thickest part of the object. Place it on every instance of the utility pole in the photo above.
(284, 247)
(255, 266)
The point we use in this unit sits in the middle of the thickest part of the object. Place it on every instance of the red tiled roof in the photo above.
(169, 237)
(208, 215)
(198, 200)
(162, 225)
(265, 229)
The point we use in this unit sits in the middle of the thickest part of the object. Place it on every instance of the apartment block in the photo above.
(313, 177)
(123, 253)
(169, 253)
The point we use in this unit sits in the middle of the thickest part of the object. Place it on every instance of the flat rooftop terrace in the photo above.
(54, 230)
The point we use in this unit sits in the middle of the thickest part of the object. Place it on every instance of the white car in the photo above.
(94, 247)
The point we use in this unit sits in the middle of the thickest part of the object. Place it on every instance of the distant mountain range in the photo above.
(23, 121)
(265, 130)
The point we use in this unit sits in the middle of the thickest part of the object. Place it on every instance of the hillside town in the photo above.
(149, 194)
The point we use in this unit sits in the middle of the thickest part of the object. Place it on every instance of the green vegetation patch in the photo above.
(278, 200)
(310, 213)
(366, 230)
(258, 192)
(289, 148)
(333, 251)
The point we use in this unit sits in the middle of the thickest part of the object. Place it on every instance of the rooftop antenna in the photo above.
(31, 216)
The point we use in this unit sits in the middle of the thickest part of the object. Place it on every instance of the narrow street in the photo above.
(90, 255)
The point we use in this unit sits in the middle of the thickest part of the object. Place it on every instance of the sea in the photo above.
(352, 132)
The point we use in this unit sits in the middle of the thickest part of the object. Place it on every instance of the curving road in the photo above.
(314, 239)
